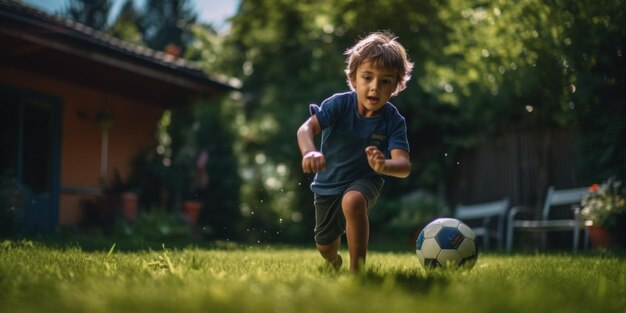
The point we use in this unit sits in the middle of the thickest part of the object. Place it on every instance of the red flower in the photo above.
(594, 187)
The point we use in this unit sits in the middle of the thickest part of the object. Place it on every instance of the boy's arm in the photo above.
(398, 166)
(313, 161)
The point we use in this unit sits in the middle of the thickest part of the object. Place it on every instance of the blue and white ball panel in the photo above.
(449, 258)
(420, 256)
(467, 248)
(467, 231)
(448, 222)
(432, 229)
(449, 238)
(430, 248)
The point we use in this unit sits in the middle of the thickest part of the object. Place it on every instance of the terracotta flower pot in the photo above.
(192, 209)
(129, 202)
(599, 237)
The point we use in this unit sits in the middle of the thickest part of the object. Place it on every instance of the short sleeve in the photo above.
(398, 136)
(330, 110)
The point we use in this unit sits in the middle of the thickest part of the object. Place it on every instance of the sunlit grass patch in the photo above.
(35, 278)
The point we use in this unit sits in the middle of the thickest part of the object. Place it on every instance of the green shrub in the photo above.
(156, 225)
(13, 197)
(407, 215)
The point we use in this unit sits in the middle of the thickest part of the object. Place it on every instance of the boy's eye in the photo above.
(367, 77)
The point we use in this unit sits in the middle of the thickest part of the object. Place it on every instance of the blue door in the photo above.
(30, 142)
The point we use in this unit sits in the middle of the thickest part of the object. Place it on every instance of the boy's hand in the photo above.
(375, 158)
(313, 162)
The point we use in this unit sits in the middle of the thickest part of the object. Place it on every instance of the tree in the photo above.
(279, 51)
(205, 47)
(167, 22)
(546, 64)
(93, 13)
(202, 150)
(594, 40)
(127, 24)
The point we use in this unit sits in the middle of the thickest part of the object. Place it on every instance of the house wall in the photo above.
(131, 129)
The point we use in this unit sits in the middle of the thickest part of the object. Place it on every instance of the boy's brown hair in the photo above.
(382, 49)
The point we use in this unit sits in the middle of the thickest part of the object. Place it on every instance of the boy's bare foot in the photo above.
(336, 264)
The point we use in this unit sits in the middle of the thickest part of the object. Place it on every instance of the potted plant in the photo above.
(604, 210)
(191, 210)
(122, 196)
(13, 198)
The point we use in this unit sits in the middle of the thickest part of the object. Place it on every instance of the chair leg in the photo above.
(586, 240)
(509, 238)
(576, 236)
(487, 238)
(499, 235)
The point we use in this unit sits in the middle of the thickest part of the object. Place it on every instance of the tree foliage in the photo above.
(167, 22)
(595, 41)
(127, 25)
(93, 13)
(202, 145)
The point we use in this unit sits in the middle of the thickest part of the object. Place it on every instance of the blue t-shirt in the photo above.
(345, 135)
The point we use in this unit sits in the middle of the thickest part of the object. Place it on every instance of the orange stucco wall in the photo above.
(132, 129)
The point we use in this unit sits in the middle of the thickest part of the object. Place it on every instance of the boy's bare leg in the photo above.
(330, 253)
(354, 207)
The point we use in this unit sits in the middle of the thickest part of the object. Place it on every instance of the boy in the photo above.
(363, 138)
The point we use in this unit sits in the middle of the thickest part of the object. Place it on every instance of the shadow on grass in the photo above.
(413, 281)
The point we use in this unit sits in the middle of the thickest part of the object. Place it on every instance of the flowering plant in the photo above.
(605, 203)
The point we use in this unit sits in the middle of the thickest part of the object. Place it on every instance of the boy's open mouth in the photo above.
(372, 99)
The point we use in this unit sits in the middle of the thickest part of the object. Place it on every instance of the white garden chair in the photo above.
(546, 223)
(482, 215)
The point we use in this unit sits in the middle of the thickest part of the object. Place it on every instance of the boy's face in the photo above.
(374, 86)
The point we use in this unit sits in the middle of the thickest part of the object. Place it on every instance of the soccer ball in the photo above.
(447, 243)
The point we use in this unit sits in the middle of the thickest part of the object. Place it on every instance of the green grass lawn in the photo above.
(36, 278)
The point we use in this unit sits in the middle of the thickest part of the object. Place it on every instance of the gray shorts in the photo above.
(329, 219)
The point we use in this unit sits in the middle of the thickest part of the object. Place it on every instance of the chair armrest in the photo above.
(575, 212)
(511, 217)
(577, 215)
(519, 209)
(486, 220)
